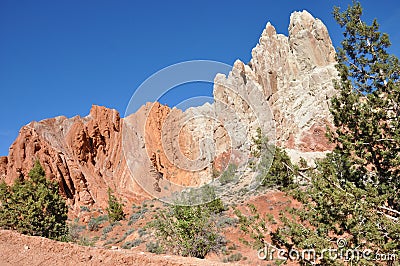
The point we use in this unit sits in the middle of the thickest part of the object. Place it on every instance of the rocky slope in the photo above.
(284, 89)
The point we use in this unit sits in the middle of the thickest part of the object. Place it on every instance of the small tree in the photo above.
(190, 230)
(367, 109)
(34, 206)
(115, 208)
(354, 194)
(275, 167)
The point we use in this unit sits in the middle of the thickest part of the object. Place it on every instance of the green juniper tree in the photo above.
(34, 206)
(354, 194)
(115, 208)
(367, 110)
(275, 167)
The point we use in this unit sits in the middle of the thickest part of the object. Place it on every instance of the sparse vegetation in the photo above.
(110, 241)
(125, 235)
(142, 232)
(223, 222)
(86, 241)
(93, 225)
(255, 225)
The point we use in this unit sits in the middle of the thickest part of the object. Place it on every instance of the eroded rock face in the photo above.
(295, 74)
(82, 153)
(285, 89)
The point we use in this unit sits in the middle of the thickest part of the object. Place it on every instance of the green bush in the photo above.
(282, 171)
(85, 209)
(189, 230)
(107, 229)
(154, 247)
(254, 225)
(34, 206)
(137, 216)
(74, 231)
(228, 175)
(233, 258)
(275, 167)
(115, 208)
(94, 223)
(131, 244)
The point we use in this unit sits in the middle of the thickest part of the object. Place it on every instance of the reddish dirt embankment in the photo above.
(17, 249)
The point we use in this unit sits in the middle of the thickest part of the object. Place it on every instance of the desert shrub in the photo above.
(233, 247)
(154, 247)
(228, 175)
(189, 230)
(86, 241)
(107, 229)
(142, 232)
(93, 224)
(254, 225)
(111, 241)
(137, 216)
(85, 209)
(115, 208)
(227, 222)
(125, 235)
(131, 244)
(34, 206)
(74, 232)
(102, 218)
(233, 258)
(129, 232)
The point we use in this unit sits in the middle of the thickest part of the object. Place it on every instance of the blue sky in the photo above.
(60, 57)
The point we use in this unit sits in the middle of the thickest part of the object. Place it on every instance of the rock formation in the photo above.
(284, 89)
(295, 74)
(82, 153)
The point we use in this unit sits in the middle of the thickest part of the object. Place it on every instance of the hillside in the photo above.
(146, 158)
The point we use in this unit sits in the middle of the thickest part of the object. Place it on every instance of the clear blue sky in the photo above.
(60, 57)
